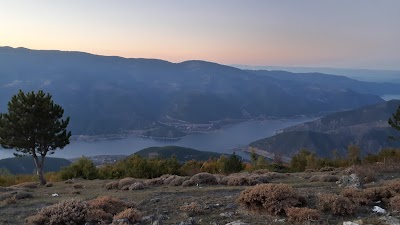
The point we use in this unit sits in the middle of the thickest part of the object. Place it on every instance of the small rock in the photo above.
(352, 181)
(157, 222)
(227, 214)
(190, 221)
(390, 220)
(155, 200)
(124, 220)
(49, 185)
(231, 206)
(54, 195)
(350, 223)
(378, 209)
(237, 223)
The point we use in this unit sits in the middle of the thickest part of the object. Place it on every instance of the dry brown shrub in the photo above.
(366, 173)
(302, 215)
(393, 186)
(219, 177)
(130, 214)
(377, 193)
(11, 200)
(324, 178)
(336, 204)
(126, 181)
(178, 181)
(244, 180)
(136, 186)
(112, 185)
(395, 203)
(94, 215)
(194, 208)
(188, 183)
(107, 204)
(22, 195)
(272, 198)
(359, 197)
(37, 219)
(204, 179)
(70, 211)
(154, 182)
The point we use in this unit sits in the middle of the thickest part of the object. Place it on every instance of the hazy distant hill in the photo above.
(182, 154)
(25, 165)
(366, 127)
(112, 94)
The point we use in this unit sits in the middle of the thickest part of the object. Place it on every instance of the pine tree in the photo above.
(395, 121)
(34, 126)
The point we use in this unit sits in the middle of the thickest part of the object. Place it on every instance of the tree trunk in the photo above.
(39, 169)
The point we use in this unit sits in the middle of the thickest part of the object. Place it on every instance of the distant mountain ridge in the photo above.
(366, 127)
(107, 94)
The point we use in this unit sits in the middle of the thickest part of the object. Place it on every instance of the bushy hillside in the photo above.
(113, 94)
(366, 127)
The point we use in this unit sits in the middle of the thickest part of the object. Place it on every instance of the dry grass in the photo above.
(272, 198)
(108, 204)
(301, 215)
(395, 203)
(335, 204)
(130, 215)
(70, 211)
(194, 208)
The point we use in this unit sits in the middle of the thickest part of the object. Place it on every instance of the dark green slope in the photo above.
(25, 165)
(182, 154)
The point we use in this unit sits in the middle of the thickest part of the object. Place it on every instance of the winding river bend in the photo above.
(223, 140)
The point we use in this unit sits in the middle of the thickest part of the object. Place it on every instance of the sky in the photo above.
(331, 33)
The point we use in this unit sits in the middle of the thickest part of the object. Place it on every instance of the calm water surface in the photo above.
(222, 141)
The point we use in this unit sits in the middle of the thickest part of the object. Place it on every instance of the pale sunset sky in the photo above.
(319, 33)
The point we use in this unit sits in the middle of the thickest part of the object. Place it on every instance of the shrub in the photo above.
(395, 203)
(126, 182)
(178, 181)
(302, 215)
(83, 168)
(377, 193)
(336, 204)
(393, 186)
(107, 204)
(188, 183)
(272, 198)
(95, 215)
(136, 186)
(204, 178)
(66, 212)
(247, 179)
(112, 185)
(357, 196)
(233, 164)
(130, 214)
(193, 208)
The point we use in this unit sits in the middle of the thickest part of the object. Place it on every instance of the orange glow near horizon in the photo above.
(307, 33)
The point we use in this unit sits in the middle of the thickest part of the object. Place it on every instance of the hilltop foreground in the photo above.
(215, 199)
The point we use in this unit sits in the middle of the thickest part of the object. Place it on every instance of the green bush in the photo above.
(83, 168)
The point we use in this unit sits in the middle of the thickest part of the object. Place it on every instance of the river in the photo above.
(222, 140)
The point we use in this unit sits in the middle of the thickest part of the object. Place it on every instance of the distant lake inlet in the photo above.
(223, 140)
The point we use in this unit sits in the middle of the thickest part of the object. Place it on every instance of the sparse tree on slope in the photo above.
(395, 121)
(34, 126)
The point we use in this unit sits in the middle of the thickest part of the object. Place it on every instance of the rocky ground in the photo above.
(196, 203)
